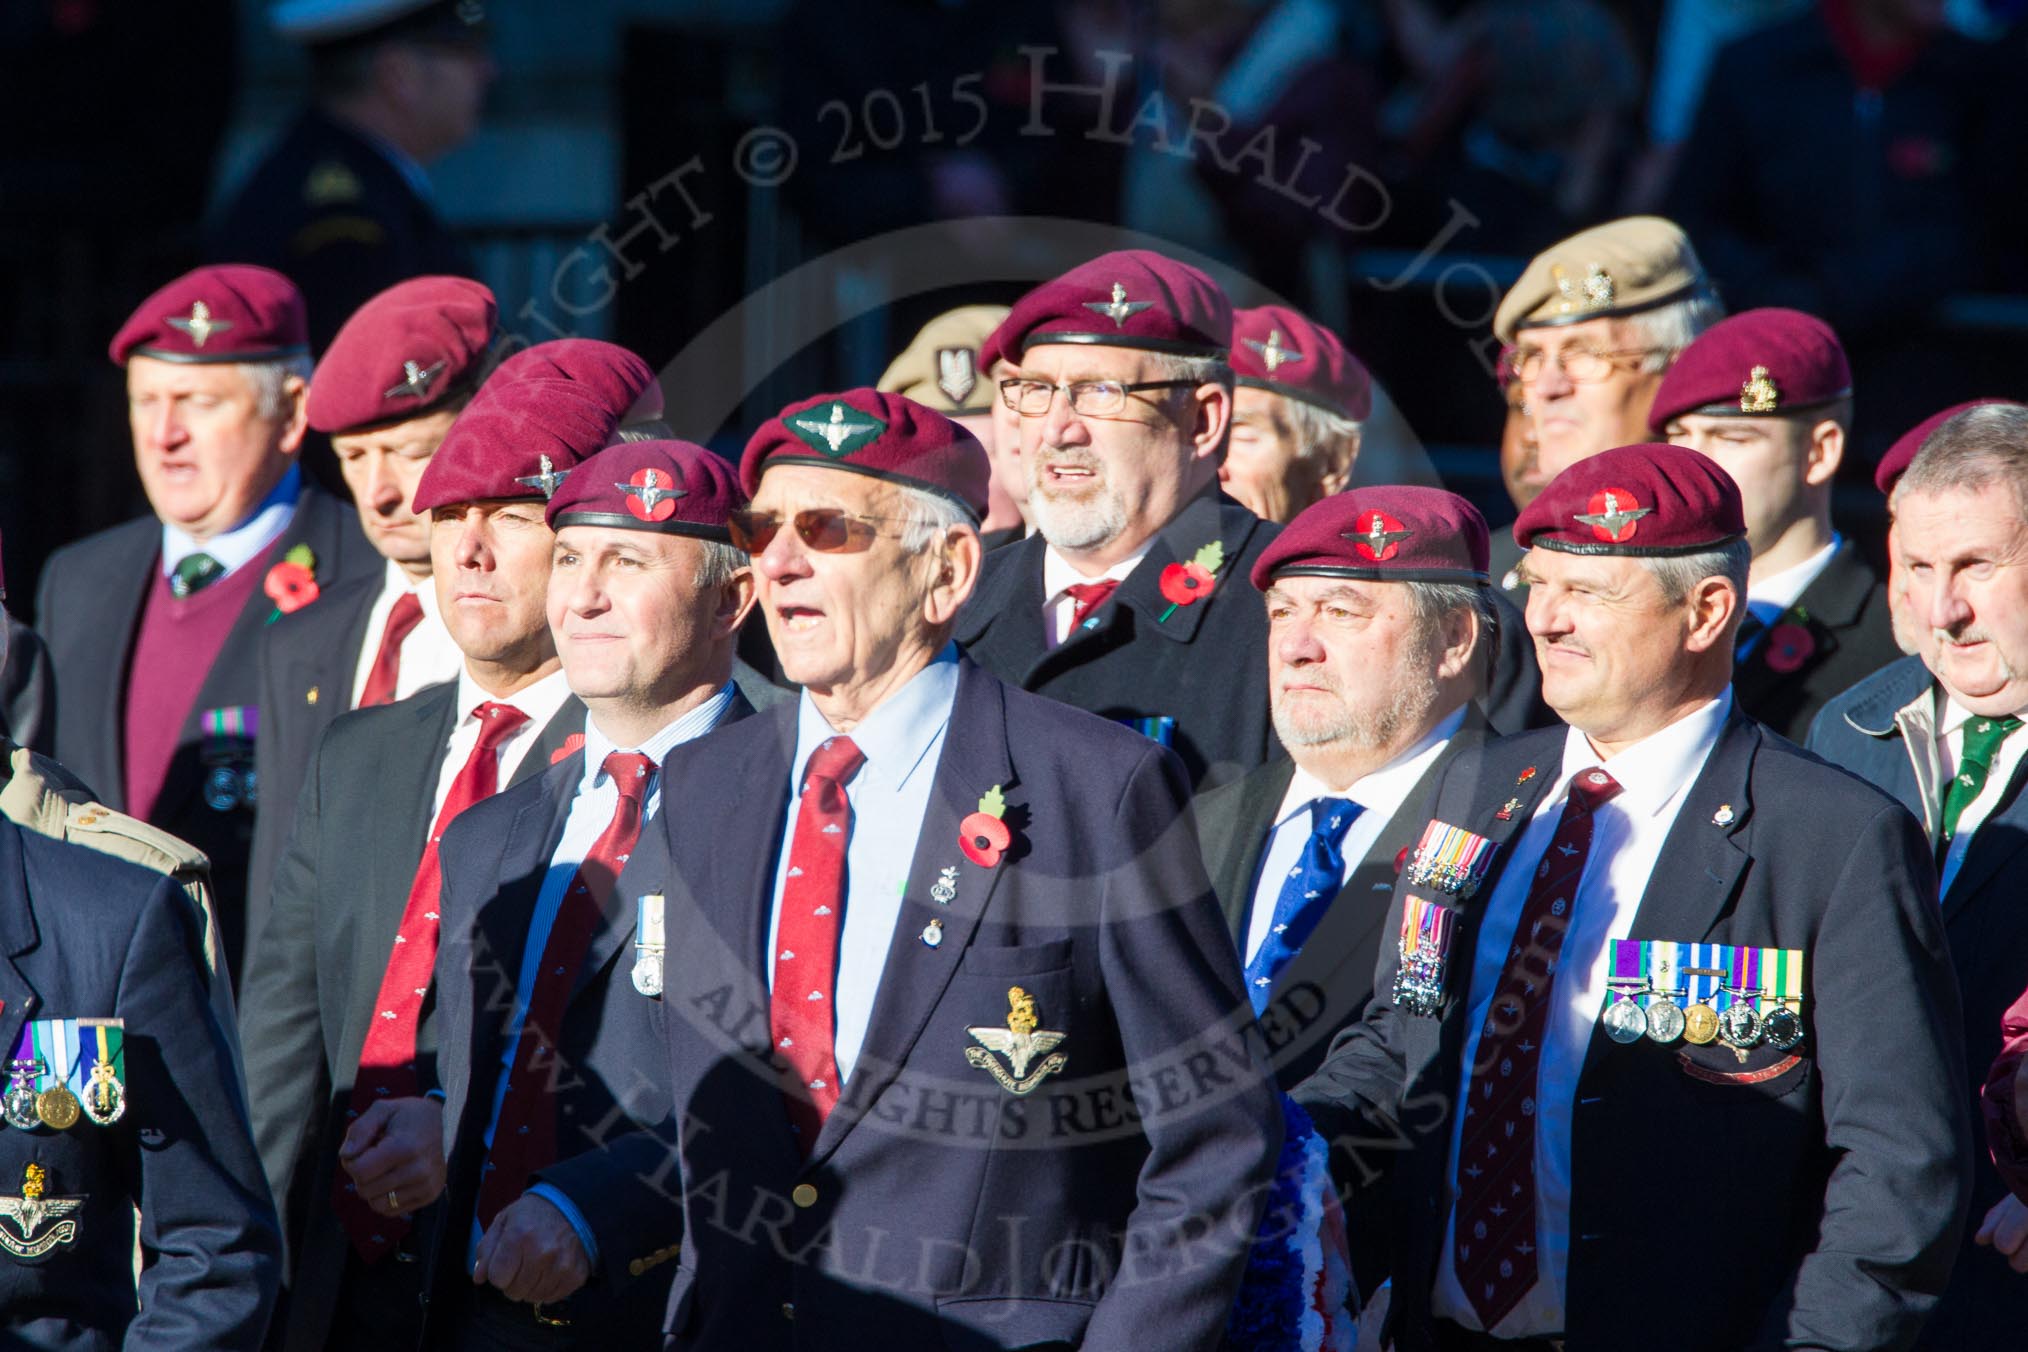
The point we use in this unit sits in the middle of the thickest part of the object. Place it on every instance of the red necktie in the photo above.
(1495, 1239)
(401, 622)
(1089, 596)
(524, 1139)
(387, 1057)
(806, 939)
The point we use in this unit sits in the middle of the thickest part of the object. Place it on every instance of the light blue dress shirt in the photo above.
(591, 811)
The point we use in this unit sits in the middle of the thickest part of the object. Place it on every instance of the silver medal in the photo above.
(1739, 1025)
(1782, 1029)
(1625, 1021)
(1665, 1021)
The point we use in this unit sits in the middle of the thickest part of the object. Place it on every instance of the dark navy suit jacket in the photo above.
(937, 1207)
(1987, 924)
(87, 936)
(1822, 1192)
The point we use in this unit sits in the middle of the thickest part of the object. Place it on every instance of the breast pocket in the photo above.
(1016, 959)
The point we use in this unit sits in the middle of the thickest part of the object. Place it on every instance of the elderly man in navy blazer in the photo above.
(546, 1046)
(1668, 990)
(1941, 732)
(957, 1044)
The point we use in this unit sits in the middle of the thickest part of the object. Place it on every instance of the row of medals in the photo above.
(57, 1107)
(1739, 1026)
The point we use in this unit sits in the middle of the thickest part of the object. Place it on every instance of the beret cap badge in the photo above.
(1272, 353)
(1382, 538)
(1595, 292)
(835, 436)
(1759, 393)
(957, 373)
(652, 493)
(1119, 309)
(546, 481)
(416, 380)
(1613, 515)
(198, 323)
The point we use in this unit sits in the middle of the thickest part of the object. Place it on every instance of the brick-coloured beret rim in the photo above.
(1309, 397)
(887, 476)
(1175, 347)
(1690, 288)
(1730, 408)
(1466, 576)
(206, 359)
(1542, 541)
(626, 521)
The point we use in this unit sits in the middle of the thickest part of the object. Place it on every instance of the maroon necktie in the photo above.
(1089, 596)
(806, 939)
(1495, 1239)
(524, 1139)
(387, 1056)
(386, 672)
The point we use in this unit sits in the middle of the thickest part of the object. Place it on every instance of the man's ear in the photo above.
(957, 562)
(1714, 611)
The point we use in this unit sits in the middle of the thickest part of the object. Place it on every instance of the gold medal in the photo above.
(1700, 1024)
(57, 1108)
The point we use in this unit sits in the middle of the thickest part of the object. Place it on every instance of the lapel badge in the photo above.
(545, 482)
(933, 933)
(945, 889)
(1525, 775)
(1725, 816)
(21, 1218)
(1507, 810)
(1021, 1041)
(1119, 309)
(984, 836)
(649, 945)
(310, 695)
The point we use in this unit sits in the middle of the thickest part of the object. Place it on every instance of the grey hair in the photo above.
(1977, 449)
(1679, 574)
(1197, 370)
(1668, 329)
(1434, 602)
(1317, 427)
(719, 565)
(929, 516)
(267, 380)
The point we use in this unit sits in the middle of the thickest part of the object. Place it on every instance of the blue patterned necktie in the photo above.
(1306, 894)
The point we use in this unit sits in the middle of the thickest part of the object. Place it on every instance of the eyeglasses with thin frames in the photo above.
(827, 530)
(1584, 365)
(1088, 398)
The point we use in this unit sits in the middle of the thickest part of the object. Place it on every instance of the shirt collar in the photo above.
(1383, 789)
(1653, 770)
(1956, 715)
(689, 727)
(896, 735)
(424, 590)
(1785, 588)
(539, 701)
(1058, 574)
(243, 543)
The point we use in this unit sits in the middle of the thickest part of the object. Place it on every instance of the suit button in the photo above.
(636, 1268)
(804, 1195)
(789, 1309)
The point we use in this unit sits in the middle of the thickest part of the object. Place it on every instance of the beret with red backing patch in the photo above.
(1651, 500)
(1901, 454)
(226, 312)
(1276, 348)
(516, 441)
(617, 376)
(669, 487)
(1385, 533)
(412, 348)
(884, 436)
(1757, 364)
(1134, 298)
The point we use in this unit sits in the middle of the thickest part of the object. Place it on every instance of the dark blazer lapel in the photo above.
(503, 918)
(128, 575)
(556, 733)
(404, 802)
(1196, 526)
(18, 934)
(1246, 841)
(742, 863)
(973, 760)
(1008, 628)
(1830, 603)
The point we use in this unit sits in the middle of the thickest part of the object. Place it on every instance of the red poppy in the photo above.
(571, 746)
(1788, 647)
(983, 837)
(1400, 860)
(1185, 584)
(290, 586)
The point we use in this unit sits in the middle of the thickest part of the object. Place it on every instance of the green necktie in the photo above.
(193, 574)
(1982, 741)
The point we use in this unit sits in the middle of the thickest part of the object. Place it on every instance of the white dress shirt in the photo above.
(428, 656)
(901, 739)
(539, 701)
(1627, 836)
(1058, 576)
(1770, 598)
(1379, 796)
(1950, 739)
(241, 545)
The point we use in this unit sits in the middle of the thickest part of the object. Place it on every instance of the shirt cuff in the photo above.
(574, 1216)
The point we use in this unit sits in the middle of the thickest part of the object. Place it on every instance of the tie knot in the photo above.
(1331, 818)
(1593, 787)
(837, 759)
(629, 771)
(1091, 594)
(406, 614)
(1984, 735)
(496, 721)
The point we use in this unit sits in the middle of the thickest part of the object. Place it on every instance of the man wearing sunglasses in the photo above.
(1589, 330)
(927, 923)
(1132, 599)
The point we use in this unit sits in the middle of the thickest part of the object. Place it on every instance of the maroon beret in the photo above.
(226, 312)
(1758, 363)
(670, 487)
(1387, 533)
(515, 441)
(1276, 348)
(1650, 500)
(886, 436)
(1902, 453)
(411, 348)
(618, 377)
(1133, 298)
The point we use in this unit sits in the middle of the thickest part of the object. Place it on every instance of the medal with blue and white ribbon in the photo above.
(1704, 966)
(56, 1105)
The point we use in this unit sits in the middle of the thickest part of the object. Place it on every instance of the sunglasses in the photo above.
(828, 530)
